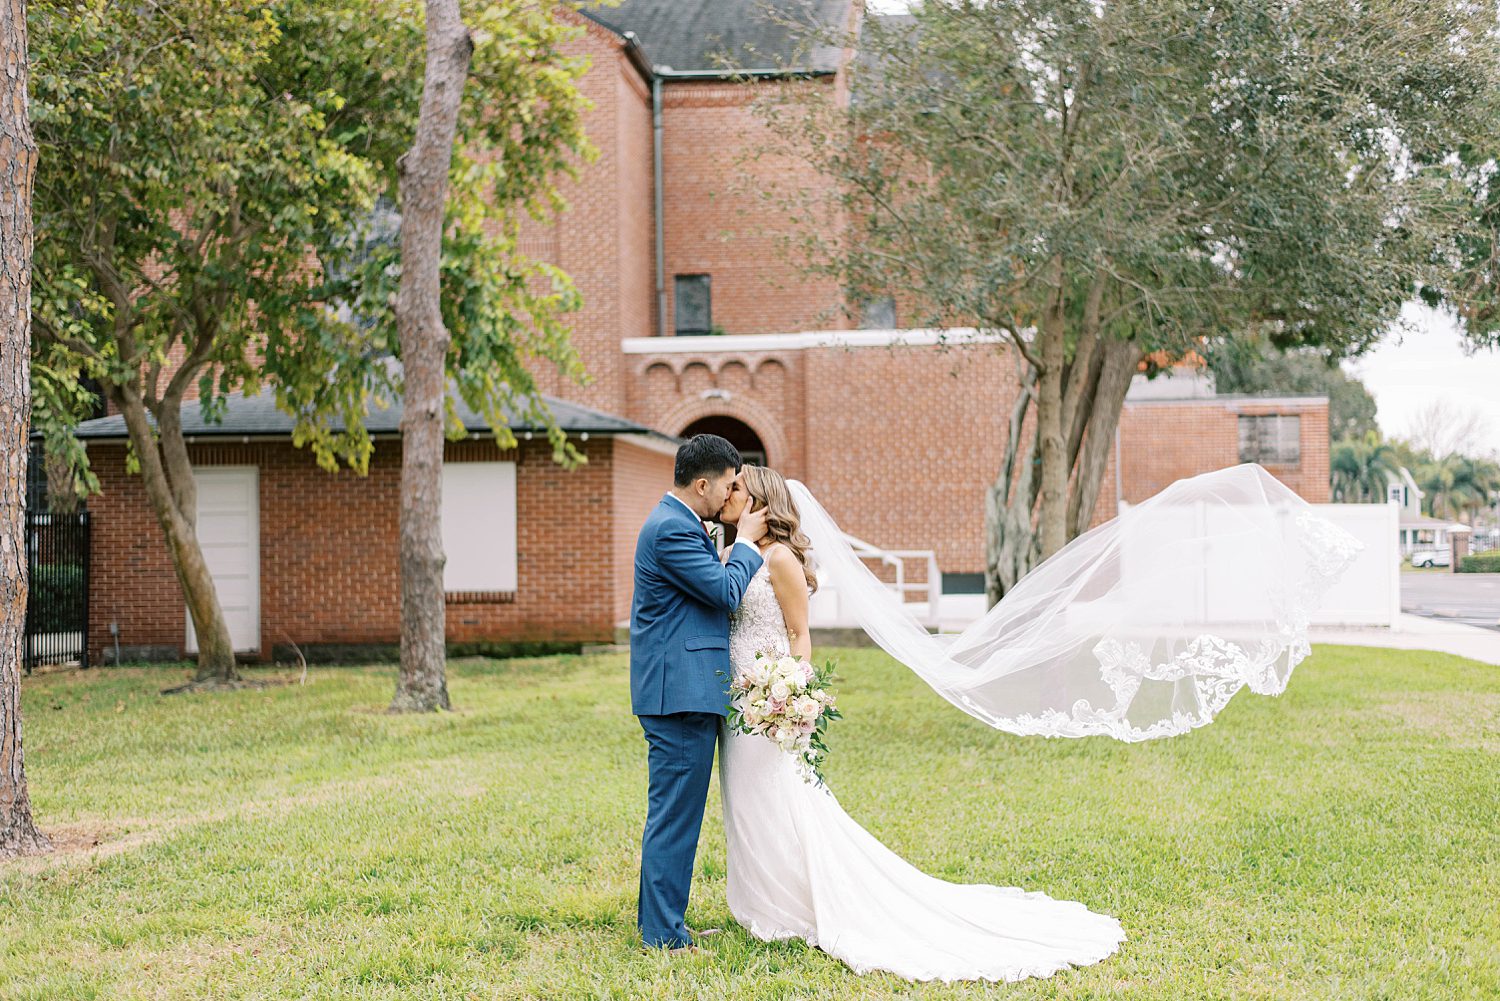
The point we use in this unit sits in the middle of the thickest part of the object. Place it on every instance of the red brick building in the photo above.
(537, 555)
(897, 430)
(692, 321)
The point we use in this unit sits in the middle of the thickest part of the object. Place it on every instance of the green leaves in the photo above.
(206, 163)
(1219, 166)
(1362, 469)
(1455, 485)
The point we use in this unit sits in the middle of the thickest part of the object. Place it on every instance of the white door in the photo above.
(229, 532)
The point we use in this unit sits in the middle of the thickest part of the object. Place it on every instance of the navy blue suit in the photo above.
(679, 689)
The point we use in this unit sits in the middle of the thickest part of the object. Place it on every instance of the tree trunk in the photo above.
(423, 684)
(62, 496)
(1120, 360)
(1078, 408)
(1052, 518)
(1010, 542)
(175, 507)
(18, 157)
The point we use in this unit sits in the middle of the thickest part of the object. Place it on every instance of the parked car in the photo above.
(1432, 558)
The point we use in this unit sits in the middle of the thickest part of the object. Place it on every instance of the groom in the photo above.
(679, 668)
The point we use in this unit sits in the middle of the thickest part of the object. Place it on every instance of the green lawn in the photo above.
(1337, 842)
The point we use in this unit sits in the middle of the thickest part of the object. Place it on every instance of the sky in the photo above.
(1423, 363)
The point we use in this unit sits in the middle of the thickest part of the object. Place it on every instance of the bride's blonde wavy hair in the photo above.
(783, 522)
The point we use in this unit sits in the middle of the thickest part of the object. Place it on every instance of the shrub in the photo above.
(1483, 563)
(58, 594)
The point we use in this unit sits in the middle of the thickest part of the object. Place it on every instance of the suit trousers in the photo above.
(680, 761)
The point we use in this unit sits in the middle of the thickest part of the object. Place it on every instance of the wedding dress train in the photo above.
(800, 867)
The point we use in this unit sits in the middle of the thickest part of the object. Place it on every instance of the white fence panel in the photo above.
(1370, 593)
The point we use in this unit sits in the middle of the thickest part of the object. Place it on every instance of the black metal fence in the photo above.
(57, 608)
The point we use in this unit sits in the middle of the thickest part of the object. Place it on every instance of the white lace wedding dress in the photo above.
(800, 867)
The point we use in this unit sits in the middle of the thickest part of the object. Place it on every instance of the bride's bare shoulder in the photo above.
(782, 561)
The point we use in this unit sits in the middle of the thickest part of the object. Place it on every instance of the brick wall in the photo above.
(899, 443)
(598, 240)
(903, 442)
(643, 473)
(765, 390)
(717, 221)
(1166, 440)
(329, 559)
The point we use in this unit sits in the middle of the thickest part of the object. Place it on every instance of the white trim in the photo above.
(1244, 404)
(1233, 403)
(809, 339)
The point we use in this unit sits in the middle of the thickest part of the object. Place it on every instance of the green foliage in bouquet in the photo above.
(789, 701)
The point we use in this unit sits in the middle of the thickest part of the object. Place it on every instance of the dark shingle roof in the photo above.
(727, 34)
(258, 415)
(869, 67)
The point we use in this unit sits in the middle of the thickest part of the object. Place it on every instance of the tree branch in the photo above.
(49, 330)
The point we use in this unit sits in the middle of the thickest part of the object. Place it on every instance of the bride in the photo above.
(1159, 643)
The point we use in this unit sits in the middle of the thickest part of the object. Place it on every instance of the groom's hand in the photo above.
(752, 526)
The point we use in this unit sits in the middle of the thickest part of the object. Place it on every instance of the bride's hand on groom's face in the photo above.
(751, 526)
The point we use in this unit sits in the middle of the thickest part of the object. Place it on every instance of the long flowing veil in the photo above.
(1142, 627)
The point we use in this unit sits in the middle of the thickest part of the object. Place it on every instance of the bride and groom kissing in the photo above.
(798, 865)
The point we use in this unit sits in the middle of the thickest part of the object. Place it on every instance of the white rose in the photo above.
(781, 691)
(807, 708)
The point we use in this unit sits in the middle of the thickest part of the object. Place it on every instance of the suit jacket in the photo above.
(679, 616)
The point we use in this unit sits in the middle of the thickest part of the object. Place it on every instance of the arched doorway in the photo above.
(735, 431)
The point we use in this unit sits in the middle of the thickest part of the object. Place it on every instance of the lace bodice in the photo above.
(757, 626)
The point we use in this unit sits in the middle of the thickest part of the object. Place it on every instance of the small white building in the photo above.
(1418, 531)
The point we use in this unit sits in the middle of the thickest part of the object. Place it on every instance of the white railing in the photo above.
(827, 610)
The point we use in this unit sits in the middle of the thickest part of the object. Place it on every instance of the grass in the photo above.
(1337, 842)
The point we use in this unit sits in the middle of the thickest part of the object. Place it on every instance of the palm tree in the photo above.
(1362, 468)
(1439, 481)
(1459, 486)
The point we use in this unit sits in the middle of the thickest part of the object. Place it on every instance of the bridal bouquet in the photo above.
(786, 699)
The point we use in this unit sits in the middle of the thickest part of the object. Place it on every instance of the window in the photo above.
(479, 526)
(693, 306)
(1273, 438)
(963, 583)
(878, 314)
(378, 233)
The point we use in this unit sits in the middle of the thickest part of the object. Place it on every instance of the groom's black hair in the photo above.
(705, 455)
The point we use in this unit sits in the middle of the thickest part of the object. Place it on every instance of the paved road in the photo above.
(1472, 598)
